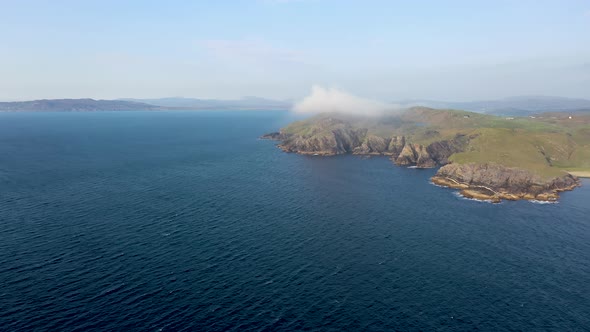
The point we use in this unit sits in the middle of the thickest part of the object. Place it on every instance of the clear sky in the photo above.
(388, 50)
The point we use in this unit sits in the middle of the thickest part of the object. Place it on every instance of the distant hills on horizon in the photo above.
(128, 104)
(73, 105)
(245, 103)
(512, 106)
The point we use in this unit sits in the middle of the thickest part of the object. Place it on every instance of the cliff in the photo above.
(327, 137)
(497, 182)
(331, 136)
(375, 145)
(345, 140)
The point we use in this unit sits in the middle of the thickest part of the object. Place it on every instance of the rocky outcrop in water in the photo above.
(497, 182)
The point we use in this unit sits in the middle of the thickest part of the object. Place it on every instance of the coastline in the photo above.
(480, 192)
(470, 189)
(483, 180)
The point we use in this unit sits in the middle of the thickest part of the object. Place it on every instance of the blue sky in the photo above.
(386, 50)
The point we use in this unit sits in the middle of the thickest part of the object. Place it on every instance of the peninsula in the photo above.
(487, 157)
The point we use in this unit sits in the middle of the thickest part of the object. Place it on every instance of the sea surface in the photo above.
(186, 221)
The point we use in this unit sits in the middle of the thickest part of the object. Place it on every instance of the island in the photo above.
(486, 157)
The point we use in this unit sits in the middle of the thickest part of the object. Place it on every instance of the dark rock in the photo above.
(277, 136)
(396, 145)
(328, 137)
(372, 145)
(501, 182)
(415, 155)
(441, 151)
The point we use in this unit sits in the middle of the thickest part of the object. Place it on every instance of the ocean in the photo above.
(186, 221)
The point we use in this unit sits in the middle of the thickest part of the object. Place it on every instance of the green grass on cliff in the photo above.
(515, 148)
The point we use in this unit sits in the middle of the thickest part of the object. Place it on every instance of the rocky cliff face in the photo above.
(415, 155)
(375, 145)
(435, 154)
(327, 137)
(496, 182)
(332, 137)
(441, 151)
(396, 145)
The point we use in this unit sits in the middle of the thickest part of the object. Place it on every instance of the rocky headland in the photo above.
(495, 182)
(344, 139)
(428, 146)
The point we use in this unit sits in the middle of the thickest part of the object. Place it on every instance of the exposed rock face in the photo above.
(415, 155)
(328, 137)
(396, 145)
(441, 151)
(331, 137)
(373, 145)
(496, 182)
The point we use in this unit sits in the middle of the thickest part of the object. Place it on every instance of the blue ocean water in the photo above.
(185, 221)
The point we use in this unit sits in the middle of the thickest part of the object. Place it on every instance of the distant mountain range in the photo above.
(246, 103)
(513, 106)
(92, 105)
(74, 105)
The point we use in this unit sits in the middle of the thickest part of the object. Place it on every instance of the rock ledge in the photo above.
(496, 182)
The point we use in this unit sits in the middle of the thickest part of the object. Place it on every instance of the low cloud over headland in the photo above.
(334, 100)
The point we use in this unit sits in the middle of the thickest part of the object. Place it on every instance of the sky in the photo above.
(383, 50)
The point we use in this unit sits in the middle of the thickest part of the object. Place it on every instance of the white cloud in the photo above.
(334, 100)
